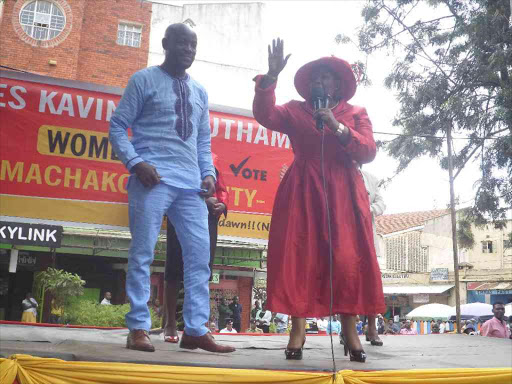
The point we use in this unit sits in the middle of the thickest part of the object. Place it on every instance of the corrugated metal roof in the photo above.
(490, 286)
(401, 221)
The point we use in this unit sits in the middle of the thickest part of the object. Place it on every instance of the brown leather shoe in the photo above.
(138, 339)
(205, 342)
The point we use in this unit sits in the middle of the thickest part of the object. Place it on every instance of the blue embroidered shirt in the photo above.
(170, 124)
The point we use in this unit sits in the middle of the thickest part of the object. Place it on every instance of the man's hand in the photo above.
(276, 59)
(327, 117)
(147, 174)
(218, 209)
(209, 185)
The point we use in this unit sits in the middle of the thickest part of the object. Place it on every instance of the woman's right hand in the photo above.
(276, 59)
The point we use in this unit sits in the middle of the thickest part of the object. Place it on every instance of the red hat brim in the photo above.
(339, 66)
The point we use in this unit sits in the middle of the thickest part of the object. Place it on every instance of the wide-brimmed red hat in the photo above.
(340, 67)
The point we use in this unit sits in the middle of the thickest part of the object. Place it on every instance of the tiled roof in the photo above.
(400, 221)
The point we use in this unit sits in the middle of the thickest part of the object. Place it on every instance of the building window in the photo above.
(487, 247)
(42, 20)
(129, 34)
(404, 253)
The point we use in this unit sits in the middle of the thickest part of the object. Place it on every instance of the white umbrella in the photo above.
(474, 310)
(508, 309)
(430, 311)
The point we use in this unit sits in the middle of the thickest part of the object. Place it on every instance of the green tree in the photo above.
(60, 284)
(453, 71)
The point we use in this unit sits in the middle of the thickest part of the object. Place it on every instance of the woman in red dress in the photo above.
(299, 266)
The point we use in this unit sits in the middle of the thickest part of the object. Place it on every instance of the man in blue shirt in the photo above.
(170, 161)
(333, 326)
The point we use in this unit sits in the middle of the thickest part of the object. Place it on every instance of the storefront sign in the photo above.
(57, 162)
(496, 292)
(395, 275)
(420, 298)
(26, 260)
(439, 274)
(30, 234)
(215, 278)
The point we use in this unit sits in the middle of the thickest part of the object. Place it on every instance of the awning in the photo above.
(415, 289)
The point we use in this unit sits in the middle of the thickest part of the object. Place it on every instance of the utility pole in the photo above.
(454, 226)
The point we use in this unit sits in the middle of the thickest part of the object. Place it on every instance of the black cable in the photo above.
(334, 370)
(17, 70)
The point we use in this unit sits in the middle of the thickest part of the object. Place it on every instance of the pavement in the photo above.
(260, 352)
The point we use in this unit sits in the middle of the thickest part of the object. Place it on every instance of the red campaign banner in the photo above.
(57, 163)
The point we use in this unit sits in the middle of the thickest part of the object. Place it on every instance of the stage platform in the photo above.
(260, 352)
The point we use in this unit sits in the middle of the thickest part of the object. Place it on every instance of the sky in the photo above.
(308, 29)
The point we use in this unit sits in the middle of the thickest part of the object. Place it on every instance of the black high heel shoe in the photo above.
(359, 356)
(294, 353)
(375, 342)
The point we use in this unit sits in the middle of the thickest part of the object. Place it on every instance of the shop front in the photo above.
(490, 293)
(405, 291)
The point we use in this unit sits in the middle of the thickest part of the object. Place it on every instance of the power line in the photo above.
(439, 137)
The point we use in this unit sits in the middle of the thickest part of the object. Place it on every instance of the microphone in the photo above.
(319, 101)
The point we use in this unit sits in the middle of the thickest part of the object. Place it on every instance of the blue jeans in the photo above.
(189, 215)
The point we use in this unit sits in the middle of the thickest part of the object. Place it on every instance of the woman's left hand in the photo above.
(327, 117)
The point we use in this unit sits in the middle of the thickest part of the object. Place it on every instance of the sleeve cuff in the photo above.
(208, 173)
(131, 163)
(270, 89)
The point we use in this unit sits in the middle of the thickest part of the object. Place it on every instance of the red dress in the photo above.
(298, 250)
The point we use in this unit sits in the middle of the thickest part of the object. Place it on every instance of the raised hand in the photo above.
(276, 59)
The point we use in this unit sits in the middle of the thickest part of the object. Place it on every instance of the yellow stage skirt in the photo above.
(28, 317)
(35, 370)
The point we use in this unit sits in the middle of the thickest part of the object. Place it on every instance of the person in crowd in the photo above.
(281, 322)
(173, 276)
(377, 208)
(442, 326)
(392, 328)
(407, 329)
(263, 318)
(172, 172)
(321, 323)
(106, 299)
(29, 306)
(56, 312)
(236, 309)
(213, 327)
(229, 327)
(381, 324)
(253, 328)
(328, 138)
(496, 327)
(255, 309)
(359, 325)
(225, 312)
(333, 326)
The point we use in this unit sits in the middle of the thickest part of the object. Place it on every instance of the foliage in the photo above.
(453, 71)
(61, 284)
(84, 312)
(465, 237)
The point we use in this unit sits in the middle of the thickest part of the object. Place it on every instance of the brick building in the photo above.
(98, 41)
